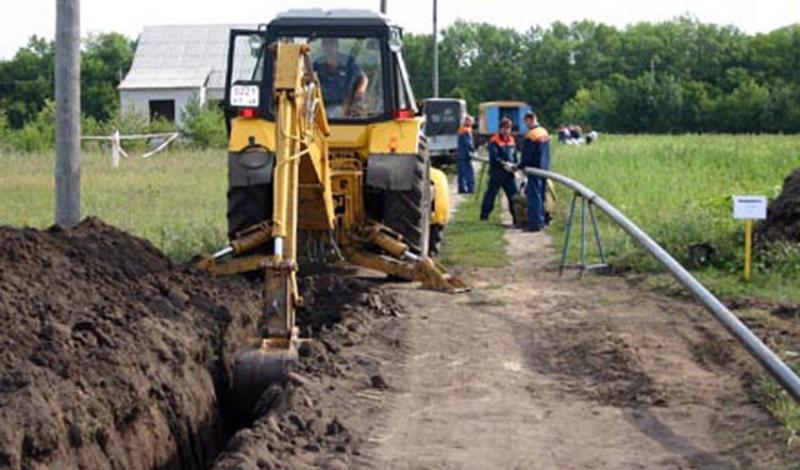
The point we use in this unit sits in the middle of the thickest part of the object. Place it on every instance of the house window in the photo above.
(162, 109)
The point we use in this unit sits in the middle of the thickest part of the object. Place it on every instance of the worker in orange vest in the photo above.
(535, 154)
(502, 166)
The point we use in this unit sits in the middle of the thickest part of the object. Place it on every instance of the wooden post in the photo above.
(383, 6)
(68, 113)
(116, 144)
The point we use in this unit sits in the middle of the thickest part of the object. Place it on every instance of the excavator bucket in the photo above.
(434, 277)
(256, 368)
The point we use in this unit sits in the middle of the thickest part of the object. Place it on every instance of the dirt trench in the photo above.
(110, 355)
(319, 417)
(113, 357)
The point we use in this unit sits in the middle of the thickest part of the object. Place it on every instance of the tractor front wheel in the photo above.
(409, 212)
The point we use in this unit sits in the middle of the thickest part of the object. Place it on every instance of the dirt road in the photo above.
(533, 371)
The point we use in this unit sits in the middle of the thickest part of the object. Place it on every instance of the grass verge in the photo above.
(473, 243)
(781, 406)
(678, 189)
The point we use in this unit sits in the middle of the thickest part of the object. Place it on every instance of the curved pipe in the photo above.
(765, 356)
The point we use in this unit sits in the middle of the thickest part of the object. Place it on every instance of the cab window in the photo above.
(350, 72)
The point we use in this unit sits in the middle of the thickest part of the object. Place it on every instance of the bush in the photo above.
(161, 126)
(130, 122)
(4, 131)
(204, 127)
(37, 135)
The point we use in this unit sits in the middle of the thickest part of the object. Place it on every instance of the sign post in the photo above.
(749, 208)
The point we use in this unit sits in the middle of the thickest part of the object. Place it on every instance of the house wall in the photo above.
(138, 101)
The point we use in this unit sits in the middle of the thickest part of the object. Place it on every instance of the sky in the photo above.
(23, 18)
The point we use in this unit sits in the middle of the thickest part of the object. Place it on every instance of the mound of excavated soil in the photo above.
(783, 215)
(110, 356)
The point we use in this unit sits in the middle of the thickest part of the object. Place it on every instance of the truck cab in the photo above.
(443, 119)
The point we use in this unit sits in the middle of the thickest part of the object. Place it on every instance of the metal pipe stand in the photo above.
(581, 265)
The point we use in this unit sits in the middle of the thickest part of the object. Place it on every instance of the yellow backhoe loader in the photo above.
(326, 155)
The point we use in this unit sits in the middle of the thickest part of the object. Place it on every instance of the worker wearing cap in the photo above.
(502, 165)
(535, 154)
(466, 148)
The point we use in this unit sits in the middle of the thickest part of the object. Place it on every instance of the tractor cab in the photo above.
(372, 133)
(356, 55)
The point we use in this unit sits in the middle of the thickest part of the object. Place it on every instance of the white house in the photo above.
(173, 65)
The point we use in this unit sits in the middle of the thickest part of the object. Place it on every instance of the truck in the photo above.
(443, 119)
(490, 113)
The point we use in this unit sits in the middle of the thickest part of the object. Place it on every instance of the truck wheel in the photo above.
(409, 212)
(247, 206)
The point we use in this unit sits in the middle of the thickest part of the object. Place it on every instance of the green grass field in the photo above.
(678, 189)
(175, 199)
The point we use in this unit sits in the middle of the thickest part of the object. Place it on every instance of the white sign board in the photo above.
(750, 207)
(244, 96)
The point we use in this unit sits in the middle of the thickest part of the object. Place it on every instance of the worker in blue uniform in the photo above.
(466, 149)
(535, 154)
(502, 166)
(343, 83)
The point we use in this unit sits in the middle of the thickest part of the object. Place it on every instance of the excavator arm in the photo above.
(302, 182)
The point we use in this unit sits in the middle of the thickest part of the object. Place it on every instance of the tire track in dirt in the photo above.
(535, 371)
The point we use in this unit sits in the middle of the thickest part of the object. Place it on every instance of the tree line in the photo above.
(675, 76)
(27, 93)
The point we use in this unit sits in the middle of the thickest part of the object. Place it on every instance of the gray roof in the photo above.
(335, 13)
(185, 56)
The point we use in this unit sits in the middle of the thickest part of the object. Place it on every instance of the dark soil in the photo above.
(599, 365)
(783, 214)
(110, 356)
(303, 424)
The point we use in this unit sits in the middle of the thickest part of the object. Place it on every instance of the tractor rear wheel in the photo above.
(409, 212)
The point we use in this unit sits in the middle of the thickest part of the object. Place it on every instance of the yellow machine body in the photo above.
(318, 188)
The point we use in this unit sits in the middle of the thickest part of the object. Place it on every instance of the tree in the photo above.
(106, 59)
(26, 81)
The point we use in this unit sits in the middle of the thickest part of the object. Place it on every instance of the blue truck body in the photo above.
(492, 112)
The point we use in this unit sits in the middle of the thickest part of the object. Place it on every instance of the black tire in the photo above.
(409, 212)
(435, 240)
(247, 206)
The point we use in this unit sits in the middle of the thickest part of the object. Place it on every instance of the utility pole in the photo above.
(435, 52)
(383, 6)
(68, 113)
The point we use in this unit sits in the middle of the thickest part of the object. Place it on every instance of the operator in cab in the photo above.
(343, 82)
(502, 166)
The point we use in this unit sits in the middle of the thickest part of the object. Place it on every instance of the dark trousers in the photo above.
(535, 191)
(496, 181)
(466, 176)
